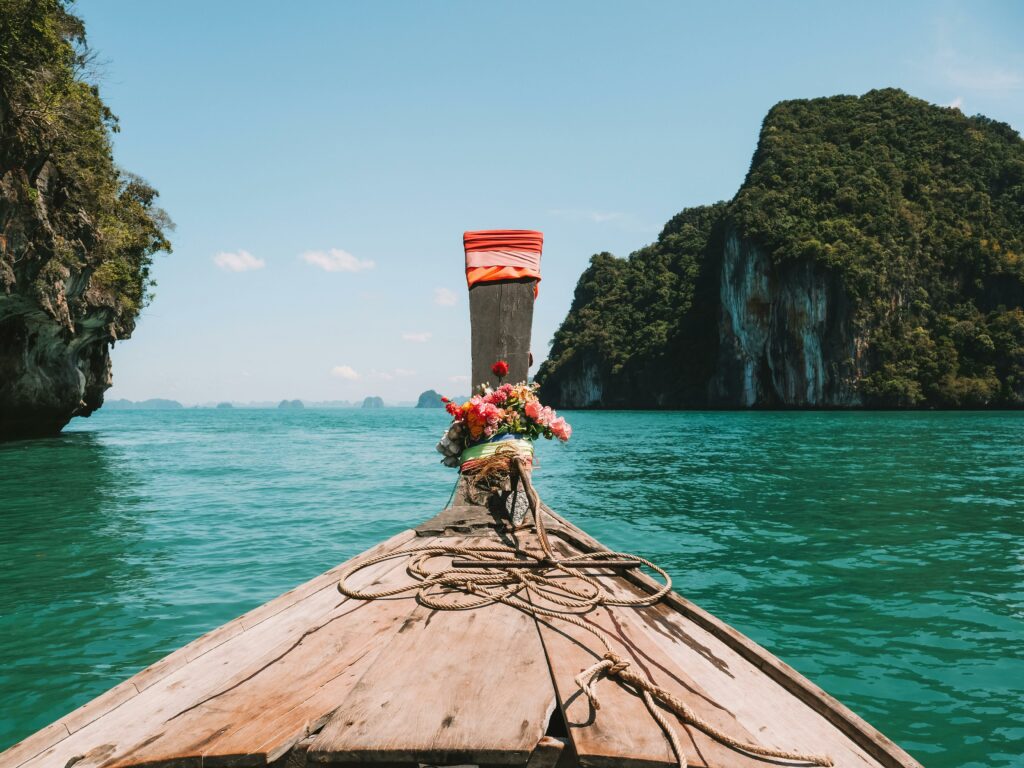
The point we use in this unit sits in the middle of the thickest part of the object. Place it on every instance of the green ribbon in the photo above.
(483, 450)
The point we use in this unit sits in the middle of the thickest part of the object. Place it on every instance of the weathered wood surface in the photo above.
(547, 753)
(155, 715)
(467, 686)
(501, 314)
(724, 689)
(720, 637)
(389, 682)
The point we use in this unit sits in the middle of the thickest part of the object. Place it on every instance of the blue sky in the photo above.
(322, 159)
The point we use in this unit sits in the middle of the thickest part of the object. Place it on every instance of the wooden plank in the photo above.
(102, 704)
(759, 704)
(772, 718)
(117, 723)
(33, 745)
(179, 658)
(260, 717)
(623, 732)
(547, 753)
(865, 736)
(501, 320)
(468, 686)
(729, 692)
(326, 579)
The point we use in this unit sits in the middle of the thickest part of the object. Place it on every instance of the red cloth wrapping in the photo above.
(502, 254)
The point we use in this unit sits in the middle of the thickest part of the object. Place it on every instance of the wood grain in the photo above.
(467, 686)
(119, 727)
(881, 749)
(501, 319)
(623, 732)
(547, 753)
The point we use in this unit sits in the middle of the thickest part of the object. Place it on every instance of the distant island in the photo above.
(874, 257)
(224, 406)
(373, 402)
(153, 404)
(292, 405)
(430, 399)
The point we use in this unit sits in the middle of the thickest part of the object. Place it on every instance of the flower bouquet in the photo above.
(498, 422)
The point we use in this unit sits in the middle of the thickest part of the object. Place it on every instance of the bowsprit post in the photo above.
(502, 272)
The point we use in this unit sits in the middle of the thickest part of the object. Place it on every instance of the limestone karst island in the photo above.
(873, 257)
(522, 385)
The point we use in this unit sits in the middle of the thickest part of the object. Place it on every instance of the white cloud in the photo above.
(238, 261)
(336, 260)
(419, 337)
(458, 379)
(444, 297)
(396, 373)
(957, 103)
(344, 372)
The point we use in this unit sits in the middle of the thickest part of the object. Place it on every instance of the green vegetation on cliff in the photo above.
(921, 211)
(635, 319)
(916, 210)
(53, 123)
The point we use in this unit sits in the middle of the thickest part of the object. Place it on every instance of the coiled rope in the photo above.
(546, 592)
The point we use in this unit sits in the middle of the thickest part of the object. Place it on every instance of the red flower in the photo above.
(500, 369)
(444, 399)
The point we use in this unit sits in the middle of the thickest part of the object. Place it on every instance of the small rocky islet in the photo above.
(430, 399)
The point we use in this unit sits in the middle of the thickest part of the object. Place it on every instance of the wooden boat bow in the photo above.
(316, 677)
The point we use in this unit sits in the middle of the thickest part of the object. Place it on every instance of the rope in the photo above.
(541, 593)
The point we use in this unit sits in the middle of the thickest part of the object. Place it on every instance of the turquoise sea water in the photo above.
(882, 555)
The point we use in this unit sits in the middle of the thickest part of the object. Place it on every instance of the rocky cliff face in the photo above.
(785, 335)
(56, 329)
(580, 385)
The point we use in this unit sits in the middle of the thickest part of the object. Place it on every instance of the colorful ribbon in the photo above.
(476, 453)
(502, 254)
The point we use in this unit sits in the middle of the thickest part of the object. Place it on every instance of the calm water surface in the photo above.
(882, 555)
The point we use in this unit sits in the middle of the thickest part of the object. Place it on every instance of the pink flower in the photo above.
(546, 416)
(532, 409)
(560, 428)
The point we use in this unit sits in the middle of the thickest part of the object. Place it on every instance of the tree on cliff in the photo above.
(77, 234)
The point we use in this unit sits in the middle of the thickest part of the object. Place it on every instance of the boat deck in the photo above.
(315, 677)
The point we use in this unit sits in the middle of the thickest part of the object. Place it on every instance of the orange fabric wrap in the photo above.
(502, 254)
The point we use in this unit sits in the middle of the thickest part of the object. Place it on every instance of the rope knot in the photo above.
(617, 664)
